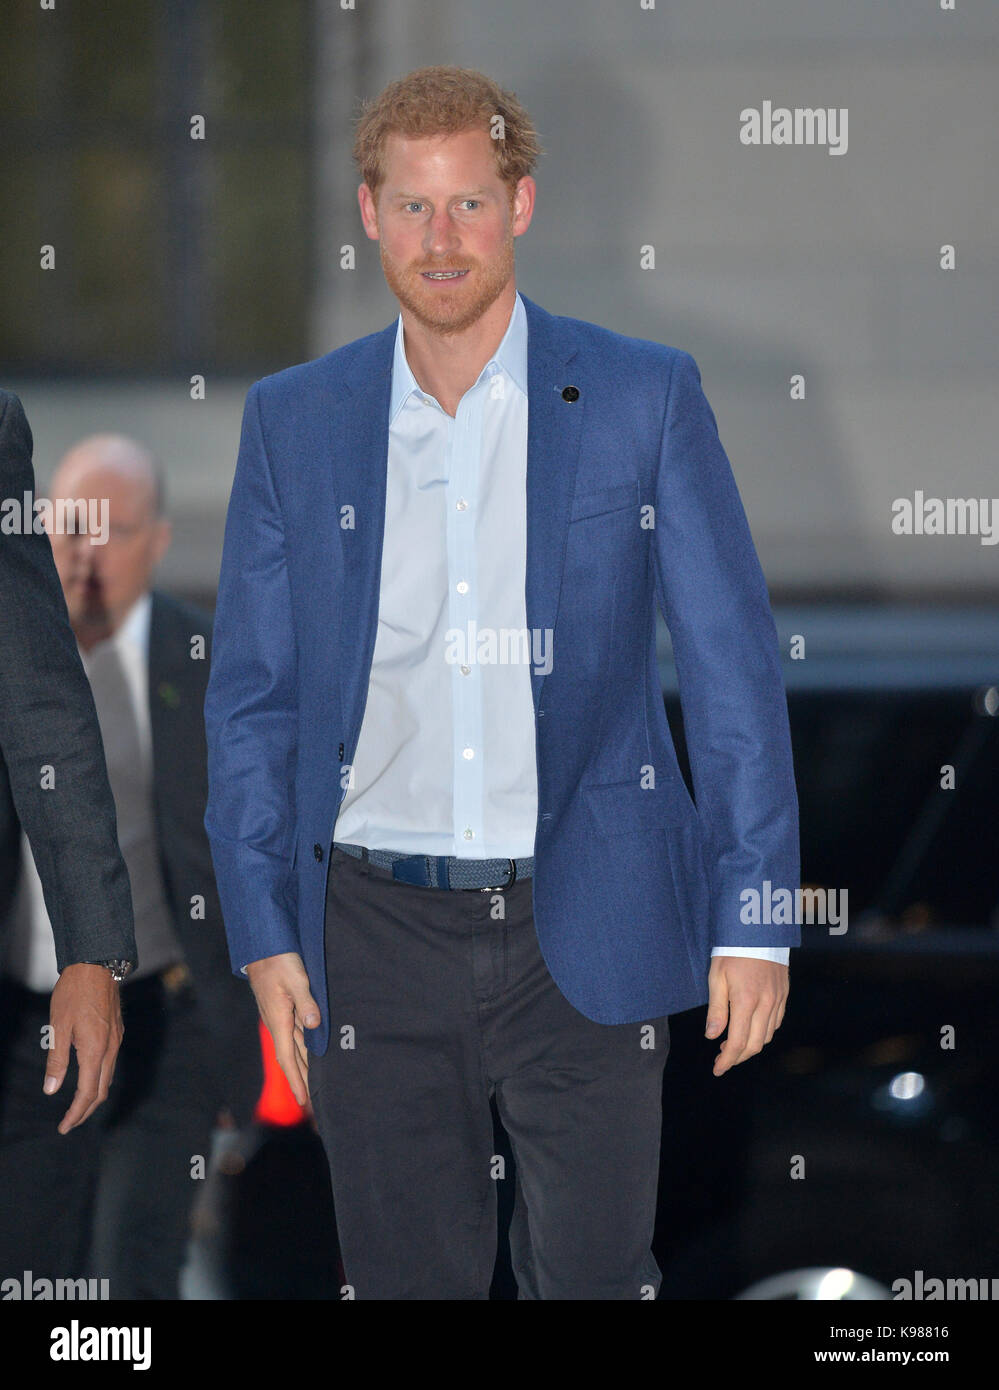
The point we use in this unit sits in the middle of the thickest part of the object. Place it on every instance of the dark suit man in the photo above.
(468, 865)
(54, 782)
(192, 1045)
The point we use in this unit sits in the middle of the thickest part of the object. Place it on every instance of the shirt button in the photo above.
(461, 504)
(468, 835)
(468, 753)
(462, 586)
(465, 670)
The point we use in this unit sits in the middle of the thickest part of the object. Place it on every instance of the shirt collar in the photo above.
(133, 630)
(510, 356)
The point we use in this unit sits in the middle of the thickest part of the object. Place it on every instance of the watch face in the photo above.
(119, 968)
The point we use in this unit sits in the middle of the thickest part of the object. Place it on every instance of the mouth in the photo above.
(443, 277)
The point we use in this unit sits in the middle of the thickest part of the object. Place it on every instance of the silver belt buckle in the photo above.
(501, 887)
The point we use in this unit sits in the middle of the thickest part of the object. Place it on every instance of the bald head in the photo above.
(102, 582)
(101, 454)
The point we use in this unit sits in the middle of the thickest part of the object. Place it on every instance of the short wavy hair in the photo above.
(445, 101)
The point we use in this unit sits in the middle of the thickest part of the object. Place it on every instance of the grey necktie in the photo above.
(130, 779)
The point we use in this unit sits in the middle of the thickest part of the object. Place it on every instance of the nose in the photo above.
(441, 238)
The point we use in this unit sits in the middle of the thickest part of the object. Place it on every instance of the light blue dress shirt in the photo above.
(445, 761)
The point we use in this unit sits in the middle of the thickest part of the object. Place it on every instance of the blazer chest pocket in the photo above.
(605, 500)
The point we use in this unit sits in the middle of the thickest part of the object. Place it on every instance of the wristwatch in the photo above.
(119, 968)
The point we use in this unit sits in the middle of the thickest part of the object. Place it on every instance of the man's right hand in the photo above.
(84, 1013)
(281, 988)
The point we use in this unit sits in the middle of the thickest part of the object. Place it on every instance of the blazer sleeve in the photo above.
(714, 600)
(251, 714)
(48, 720)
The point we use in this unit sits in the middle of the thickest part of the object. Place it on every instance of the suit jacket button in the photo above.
(317, 850)
(571, 393)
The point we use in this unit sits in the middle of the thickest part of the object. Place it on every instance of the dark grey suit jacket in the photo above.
(47, 719)
(177, 685)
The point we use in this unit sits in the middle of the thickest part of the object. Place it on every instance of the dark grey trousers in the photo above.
(437, 1004)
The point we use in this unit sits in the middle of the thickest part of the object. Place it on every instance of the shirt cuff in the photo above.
(781, 955)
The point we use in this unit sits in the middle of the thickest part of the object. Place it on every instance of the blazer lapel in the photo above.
(357, 443)
(554, 431)
(154, 672)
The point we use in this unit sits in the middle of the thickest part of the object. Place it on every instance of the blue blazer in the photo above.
(630, 499)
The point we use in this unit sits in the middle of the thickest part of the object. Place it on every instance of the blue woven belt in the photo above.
(444, 871)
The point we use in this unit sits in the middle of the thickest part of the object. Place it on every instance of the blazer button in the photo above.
(571, 393)
(317, 850)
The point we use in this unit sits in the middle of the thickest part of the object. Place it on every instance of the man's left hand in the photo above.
(749, 995)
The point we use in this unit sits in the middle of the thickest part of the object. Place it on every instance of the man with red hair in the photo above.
(456, 856)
